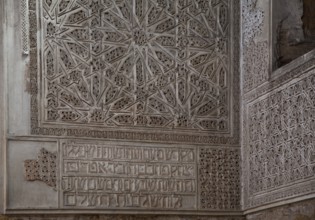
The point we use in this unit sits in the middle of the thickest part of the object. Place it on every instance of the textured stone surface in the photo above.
(296, 211)
(255, 44)
(117, 217)
(219, 190)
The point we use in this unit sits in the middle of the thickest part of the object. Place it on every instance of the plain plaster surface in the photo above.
(19, 101)
(23, 194)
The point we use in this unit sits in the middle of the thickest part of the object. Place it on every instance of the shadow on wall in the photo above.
(293, 28)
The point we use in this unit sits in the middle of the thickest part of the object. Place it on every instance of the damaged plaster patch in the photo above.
(43, 169)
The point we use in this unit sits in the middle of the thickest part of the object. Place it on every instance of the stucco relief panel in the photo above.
(155, 64)
(145, 65)
(280, 143)
(155, 71)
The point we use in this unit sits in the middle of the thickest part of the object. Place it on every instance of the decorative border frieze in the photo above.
(281, 78)
(285, 194)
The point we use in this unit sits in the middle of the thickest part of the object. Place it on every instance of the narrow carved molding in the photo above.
(24, 26)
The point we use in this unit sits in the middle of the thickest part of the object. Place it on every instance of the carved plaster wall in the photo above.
(277, 129)
(255, 43)
(280, 143)
(146, 66)
(133, 107)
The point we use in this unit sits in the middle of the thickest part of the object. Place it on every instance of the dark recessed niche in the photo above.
(308, 19)
(293, 30)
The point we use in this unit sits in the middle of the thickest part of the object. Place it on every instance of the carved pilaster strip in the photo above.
(24, 27)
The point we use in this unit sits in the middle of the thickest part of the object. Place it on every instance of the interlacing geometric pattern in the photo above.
(282, 137)
(137, 63)
(24, 27)
(219, 179)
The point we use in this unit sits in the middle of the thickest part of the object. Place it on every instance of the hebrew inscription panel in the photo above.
(126, 177)
(157, 64)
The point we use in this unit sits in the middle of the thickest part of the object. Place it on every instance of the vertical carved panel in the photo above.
(24, 26)
(219, 179)
(255, 47)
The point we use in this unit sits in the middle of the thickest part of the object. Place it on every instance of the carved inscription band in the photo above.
(107, 176)
(102, 176)
(116, 176)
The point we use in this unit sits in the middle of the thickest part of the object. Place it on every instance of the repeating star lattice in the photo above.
(154, 63)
